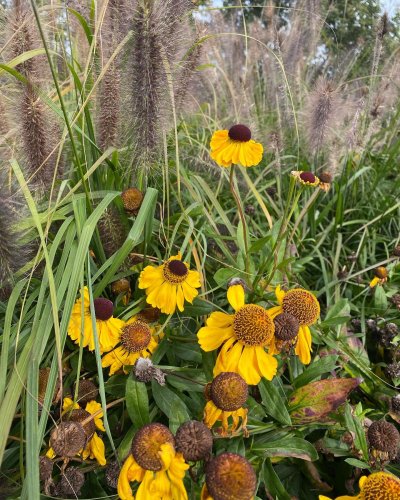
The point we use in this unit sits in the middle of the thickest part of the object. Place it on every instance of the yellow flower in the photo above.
(243, 337)
(108, 328)
(94, 447)
(381, 276)
(154, 464)
(228, 393)
(377, 486)
(169, 285)
(306, 178)
(137, 340)
(235, 146)
(304, 306)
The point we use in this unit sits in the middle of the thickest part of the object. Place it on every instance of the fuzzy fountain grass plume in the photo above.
(39, 134)
(160, 31)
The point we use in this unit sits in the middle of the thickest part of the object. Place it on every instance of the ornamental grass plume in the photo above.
(39, 133)
(161, 36)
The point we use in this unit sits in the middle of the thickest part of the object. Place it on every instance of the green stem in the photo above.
(242, 218)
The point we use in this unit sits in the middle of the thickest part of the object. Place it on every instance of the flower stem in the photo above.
(242, 218)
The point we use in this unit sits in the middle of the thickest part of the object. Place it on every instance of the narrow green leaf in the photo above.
(315, 370)
(288, 447)
(170, 404)
(273, 483)
(137, 402)
(274, 402)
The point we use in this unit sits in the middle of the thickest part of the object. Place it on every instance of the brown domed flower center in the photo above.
(380, 486)
(79, 415)
(286, 327)
(253, 326)
(194, 440)
(301, 304)
(132, 199)
(308, 177)
(103, 308)
(175, 271)
(136, 336)
(383, 436)
(381, 272)
(229, 391)
(147, 443)
(239, 133)
(231, 477)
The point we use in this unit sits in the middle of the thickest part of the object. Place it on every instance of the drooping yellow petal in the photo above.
(95, 449)
(211, 414)
(124, 488)
(248, 367)
(280, 294)
(219, 319)
(193, 279)
(211, 338)
(93, 407)
(375, 281)
(50, 453)
(189, 292)
(303, 346)
(69, 405)
(231, 357)
(236, 296)
(267, 364)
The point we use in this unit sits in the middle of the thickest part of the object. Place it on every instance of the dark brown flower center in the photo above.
(308, 177)
(301, 304)
(147, 443)
(103, 308)
(253, 326)
(175, 271)
(239, 133)
(286, 326)
(194, 440)
(136, 336)
(229, 391)
(231, 477)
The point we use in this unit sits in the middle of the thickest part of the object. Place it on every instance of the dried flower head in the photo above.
(381, 272)
(393, 370)
(132, 199)
(384, 439)
(112, 472)
(71, 482)
(230, 477)
(395, 404)
(45, 468)
(396, 251)
(194, 440)
(67, 439)
(146, 445)
(229, 391)
(87, 391)
(395, 300)
(145, 371)
(149, 314)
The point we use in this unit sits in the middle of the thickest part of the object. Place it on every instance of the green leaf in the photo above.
(355, 426)
(273, 483)
(137, 402)
(199, 307)
(222, 276)
(125, 447)
(315, 370)
(170, 404)
(380, 300)
(357, 463)
(274, 402)
(288, 447)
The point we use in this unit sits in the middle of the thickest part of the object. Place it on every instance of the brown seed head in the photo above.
(71, 482)
(120, 286)
(67, 439)
(396, 251)
(80, 415)
(194, 440)
(395, 404)
(149, 314)
(308, 177)
(286, 326)
(381, 272)
(383, 436)
(231, 477)
(45, 468)
(229, 391)
(132, 199)
(87, 391)
(301, 304)
(239, 133)
(325, 177)
(112, 474)
(253, 326)
(147, 443)
(103, 308)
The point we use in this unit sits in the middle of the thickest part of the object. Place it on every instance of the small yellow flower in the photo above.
(154, 464)
(169, 285)
(381, 276)
(137, 340)
(228, 393)
(235, 146)
(94, 447)
(304, 306)
(306, 178)
(243, 336)
(108, 328)
(377, 486)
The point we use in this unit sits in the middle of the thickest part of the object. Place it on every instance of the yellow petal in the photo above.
(220, 319)
(231, 357)
(248, 367)
(303, 346)
(69, 405)
(211, 414)
(150, 276)
(124, 488)
(280, 294)
(189, 292)
(267, 364)
(50, 453)
(193, 279)
(375, 281)
(219, 137)
(236, 296)
(97, 449)
(211, 338)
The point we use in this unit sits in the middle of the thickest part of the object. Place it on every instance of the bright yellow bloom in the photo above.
(169, 285)
(381, 276)
(304, 306)
(162, 478)
(108, 328)
(377, 486)
(243, 336)
(306, 178)
(235, 146)
(94, 447)
(137, 340)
